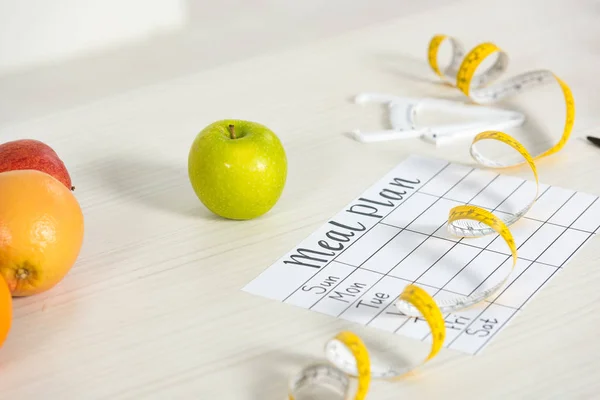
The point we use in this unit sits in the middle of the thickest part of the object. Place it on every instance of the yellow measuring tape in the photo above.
(347, 354)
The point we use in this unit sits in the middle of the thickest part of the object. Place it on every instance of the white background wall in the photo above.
(59, 54)
(38, 31)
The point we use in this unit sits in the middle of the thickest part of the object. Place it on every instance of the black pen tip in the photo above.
(594, 140)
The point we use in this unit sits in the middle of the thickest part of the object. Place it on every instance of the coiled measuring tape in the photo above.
(347, 354)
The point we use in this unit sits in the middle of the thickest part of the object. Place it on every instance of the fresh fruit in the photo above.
(237, 168)
(41, 231)
(33, 154)
(5, 311)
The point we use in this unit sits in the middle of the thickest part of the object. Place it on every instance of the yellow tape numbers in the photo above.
(347, 355)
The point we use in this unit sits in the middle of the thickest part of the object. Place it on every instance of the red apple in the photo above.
(33, 154)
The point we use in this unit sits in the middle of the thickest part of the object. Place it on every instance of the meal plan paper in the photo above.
(394, 234)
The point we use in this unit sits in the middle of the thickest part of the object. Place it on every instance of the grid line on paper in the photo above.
(486, 246)
(530, 264)
(407, 255)
(345, 263)
(562, 233)
(502, 305)
(536, 290)
(450, 249)
(502, 325)
(367, 231)
(469, 325)
(477, 255)
(513, 281)
(456, 243)
(538, 228)
(542, 252)
(583, 212)
(517, 277)
(570, 227)
(401, 279)
(432, 234)
(503, 261)
(525, 217)
(391, 305)
(578, 247)
(401, 229)
(565, 261)
(463, 243)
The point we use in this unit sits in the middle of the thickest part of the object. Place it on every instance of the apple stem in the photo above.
(232, 131)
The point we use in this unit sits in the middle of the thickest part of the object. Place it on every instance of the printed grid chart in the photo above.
(394, 234)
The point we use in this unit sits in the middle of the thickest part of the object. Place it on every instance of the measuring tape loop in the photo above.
(470, 221)
(347, 355)
(477, 88)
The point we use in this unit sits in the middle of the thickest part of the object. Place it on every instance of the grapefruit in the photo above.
(5, 311)
(41, 231)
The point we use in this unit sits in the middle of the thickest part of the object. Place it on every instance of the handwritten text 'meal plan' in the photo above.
(341, 235)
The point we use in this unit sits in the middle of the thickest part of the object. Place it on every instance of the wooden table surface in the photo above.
(153, 308)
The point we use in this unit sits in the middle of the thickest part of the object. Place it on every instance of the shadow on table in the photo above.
(407, 67)
(273, 372)
(153, 183)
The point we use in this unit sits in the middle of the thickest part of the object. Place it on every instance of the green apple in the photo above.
(237, 168)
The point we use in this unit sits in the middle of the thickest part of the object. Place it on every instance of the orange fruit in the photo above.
(5, 311)
(41, 231)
